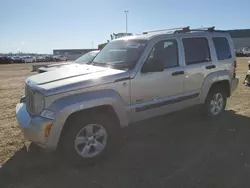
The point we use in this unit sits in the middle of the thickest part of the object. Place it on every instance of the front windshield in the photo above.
(86, 58)
(120, 54)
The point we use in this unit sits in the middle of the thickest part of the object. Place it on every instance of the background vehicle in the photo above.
(247, 78)
(5, 60)
(86, 58)
(28, 59)
(80, 110)
(41, 59)
(246, 51)
(16, 59)
(60, 58)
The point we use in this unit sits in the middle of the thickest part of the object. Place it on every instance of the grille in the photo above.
(29, 98)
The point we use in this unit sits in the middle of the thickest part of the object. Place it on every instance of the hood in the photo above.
(51, 67)
(74, 76)
(58, 64)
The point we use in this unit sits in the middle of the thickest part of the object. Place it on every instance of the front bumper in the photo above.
(33, 127)
(234, 84)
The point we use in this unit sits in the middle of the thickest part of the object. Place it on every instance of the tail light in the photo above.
(235, 66)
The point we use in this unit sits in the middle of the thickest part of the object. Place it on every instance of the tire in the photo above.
(215, 103)
(78, 127)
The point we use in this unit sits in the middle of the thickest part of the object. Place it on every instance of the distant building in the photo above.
(71, 54)
(241, 37)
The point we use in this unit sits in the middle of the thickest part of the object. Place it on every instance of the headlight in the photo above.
(38, 102)
(48, 114)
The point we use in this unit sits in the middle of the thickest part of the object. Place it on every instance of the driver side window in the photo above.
(165, 52)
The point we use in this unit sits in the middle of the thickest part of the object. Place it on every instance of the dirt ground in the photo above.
(178, 150)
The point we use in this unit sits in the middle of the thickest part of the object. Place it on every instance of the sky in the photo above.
(39, 26)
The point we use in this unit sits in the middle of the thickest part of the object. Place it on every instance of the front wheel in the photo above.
(215, 103)
(87, 139)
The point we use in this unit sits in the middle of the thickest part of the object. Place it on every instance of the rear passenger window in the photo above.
(196, 50)
(222, 48)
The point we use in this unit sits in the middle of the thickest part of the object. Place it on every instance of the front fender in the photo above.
(66, 106)
(210, 80)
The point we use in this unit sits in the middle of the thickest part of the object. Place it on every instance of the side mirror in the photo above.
(152, 66)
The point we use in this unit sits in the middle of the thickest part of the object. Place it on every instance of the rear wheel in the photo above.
(215, 103)
(89, 138)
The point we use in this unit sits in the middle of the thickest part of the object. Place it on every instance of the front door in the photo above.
(151, 90)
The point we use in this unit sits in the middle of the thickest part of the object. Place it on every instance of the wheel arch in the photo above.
(107, 101)
(222, 84)
(216, 79)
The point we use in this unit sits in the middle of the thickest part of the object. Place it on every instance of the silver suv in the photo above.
(80, 109)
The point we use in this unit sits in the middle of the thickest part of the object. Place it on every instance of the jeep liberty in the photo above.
(79, 110)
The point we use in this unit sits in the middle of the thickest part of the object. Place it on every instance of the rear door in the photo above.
(224, 54)
(198, 61)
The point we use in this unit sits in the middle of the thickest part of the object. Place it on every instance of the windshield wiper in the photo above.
(120, 66)
(98, 64)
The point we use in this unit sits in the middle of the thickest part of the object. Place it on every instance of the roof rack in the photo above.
(184, 30)
(170, 29)
(211, 29)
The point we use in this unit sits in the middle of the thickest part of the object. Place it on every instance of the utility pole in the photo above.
(126, 13)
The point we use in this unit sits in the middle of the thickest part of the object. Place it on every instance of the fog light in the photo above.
(47, 130)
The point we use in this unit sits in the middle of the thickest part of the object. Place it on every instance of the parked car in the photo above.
(40, 58)
(247, 78)
(16, 59)
(60, 58)
(239, 53)
(80, 109)
(5, 60)
(28, 59)
(86, 58)
(246, 51)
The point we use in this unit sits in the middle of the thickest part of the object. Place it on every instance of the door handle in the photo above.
(177, 73)
(210, 67)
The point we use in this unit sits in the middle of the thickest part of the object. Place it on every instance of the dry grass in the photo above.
(196, 153)
(11, 88)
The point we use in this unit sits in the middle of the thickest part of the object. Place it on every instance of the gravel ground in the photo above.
(178, 150)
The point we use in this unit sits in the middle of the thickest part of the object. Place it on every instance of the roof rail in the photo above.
(185, 30)
(170, 29)
(204, 29)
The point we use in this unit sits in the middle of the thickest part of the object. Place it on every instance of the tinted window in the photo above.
(166, 52)
(222, 48)
(196, 50)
